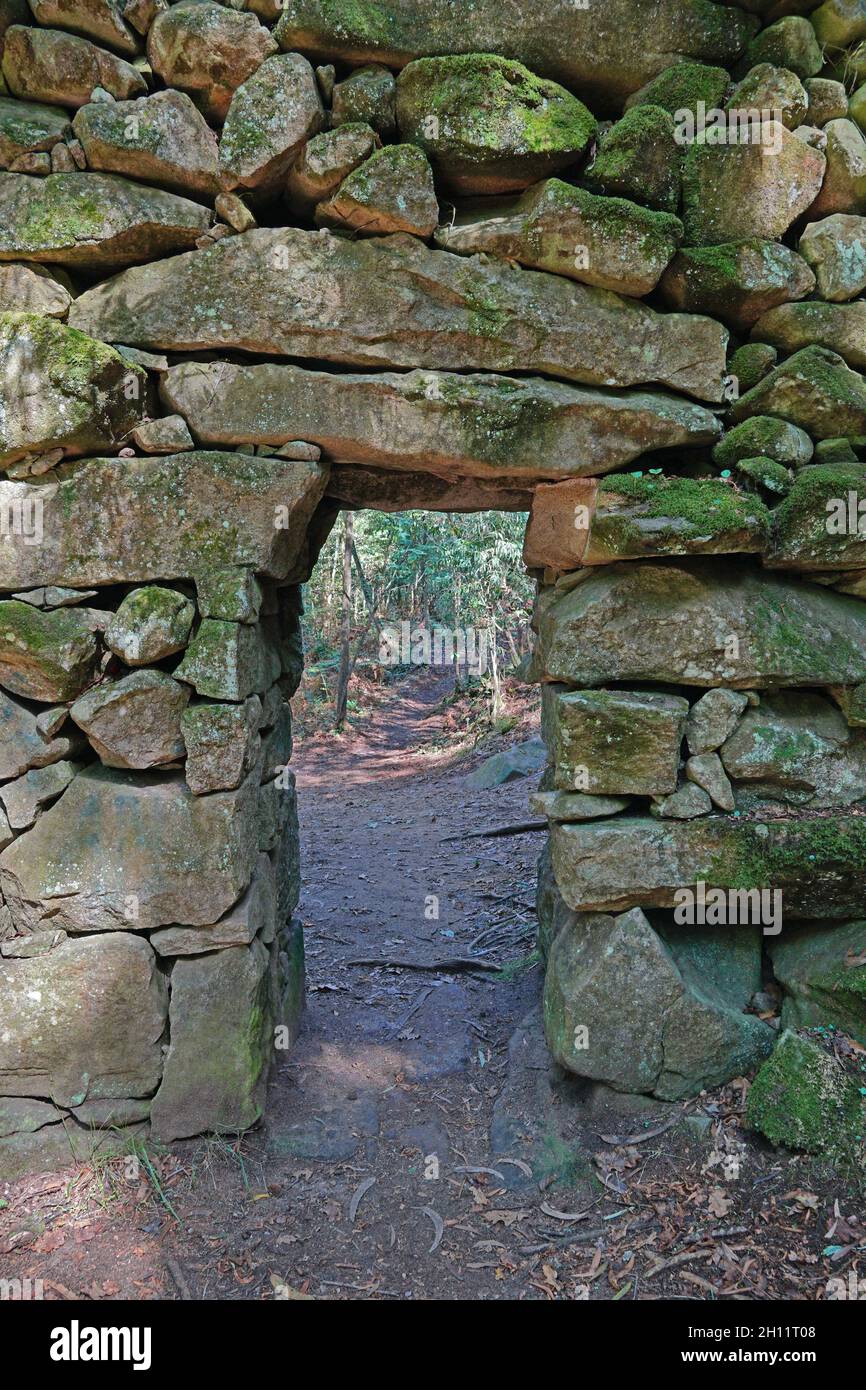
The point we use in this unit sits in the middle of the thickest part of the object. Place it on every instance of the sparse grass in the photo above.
(515, 969)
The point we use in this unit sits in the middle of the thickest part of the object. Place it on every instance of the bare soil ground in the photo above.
(419, 1144)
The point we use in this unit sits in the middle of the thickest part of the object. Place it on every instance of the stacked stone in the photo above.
(260, 263)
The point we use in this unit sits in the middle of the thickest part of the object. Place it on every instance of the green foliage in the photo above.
(438, 569)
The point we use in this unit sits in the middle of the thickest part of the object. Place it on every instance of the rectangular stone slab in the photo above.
(482, 426)
(618, 742)
(127, 851)
(221, 1044)
(84, 1020)
(582, 522)
(701, 623)
(602, 55)
(818, 864)
(392, 302)
(104, 520)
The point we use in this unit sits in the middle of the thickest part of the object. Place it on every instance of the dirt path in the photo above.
(368, 1179)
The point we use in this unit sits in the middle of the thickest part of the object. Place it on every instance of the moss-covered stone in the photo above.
(221, 1024)
(796, 748)
(392, 302)
(701, 623)
(326, 161)
(369, 96)
(98, 519)
(229, 661)
(736, 281)
(816, 863)
(28, 127)
(271, 116)
(821, 524)
(738, 191)
(641, 515)
(618, 743)
(814, 390)
(441, 422)
(647, 1014)
(639, 159)
(150, 624)
(772, 477)
(159, 139)
(606, 61)
(835, 248)
(683, 87)
(822, 970)
(81, 395)
(803, 1100)
(764, 436)
(609, 242)
(840, 328)
(789, 43)
(767, 88)
(93, 221)
(122, 852)
(751, 363)
(839, 23)
(222, 743)
(393, 191)
(489, 125)
(46, 656)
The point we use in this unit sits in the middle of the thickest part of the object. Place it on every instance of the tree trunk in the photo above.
(342, 695)
(496, 685)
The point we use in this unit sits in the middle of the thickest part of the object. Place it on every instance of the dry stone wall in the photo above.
(263, 260)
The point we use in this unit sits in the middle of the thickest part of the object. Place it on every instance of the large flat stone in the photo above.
(98, 519)
(84, 1020)
(395, 303)
(604, 57)
(818, 864)
(123, 851)
(93, 221)
(434, 422)
(701, 623)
